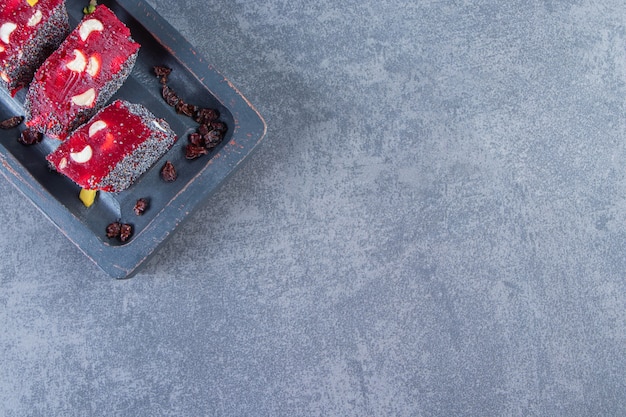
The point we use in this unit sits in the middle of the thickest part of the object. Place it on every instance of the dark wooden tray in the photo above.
(197, 82)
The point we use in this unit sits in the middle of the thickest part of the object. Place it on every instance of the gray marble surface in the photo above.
(433, 226)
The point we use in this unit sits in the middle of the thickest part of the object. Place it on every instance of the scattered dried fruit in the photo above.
(121, 231)
(162, 72)
(218, 126)
(212, 139)
(196, 139)
(210, 132)
(170, 96)
(184, 108)
(203, 129)
(30, 137)
(113, 230)
(11, 122)
(204, 116)
(168, 172)
(126, 231)
(194, 151)
(141, 206)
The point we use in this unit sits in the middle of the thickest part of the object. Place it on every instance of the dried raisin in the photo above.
(11, 122)
(113, 230)
(30, 137)
(141, 206)
(162, 72)
(168, 172)
(170, 96)
(126, 231)
(194, 151)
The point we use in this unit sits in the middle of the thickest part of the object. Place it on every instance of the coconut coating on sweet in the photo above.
(18, 69)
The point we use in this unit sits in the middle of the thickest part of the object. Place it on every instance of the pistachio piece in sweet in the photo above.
(91, 7)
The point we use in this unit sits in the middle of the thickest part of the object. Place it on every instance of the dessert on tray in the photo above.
(29, 31)
(82, 75)
(114, 148)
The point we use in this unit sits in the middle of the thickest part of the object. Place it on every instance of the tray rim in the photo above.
(123, 261)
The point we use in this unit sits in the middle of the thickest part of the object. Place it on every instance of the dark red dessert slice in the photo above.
(82, 75)
(29, 31)
(110, 152)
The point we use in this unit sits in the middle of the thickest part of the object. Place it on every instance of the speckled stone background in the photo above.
(434, 225)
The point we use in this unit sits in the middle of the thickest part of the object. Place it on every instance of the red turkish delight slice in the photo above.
(82, 75)
(114, 148)
(29, 31)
